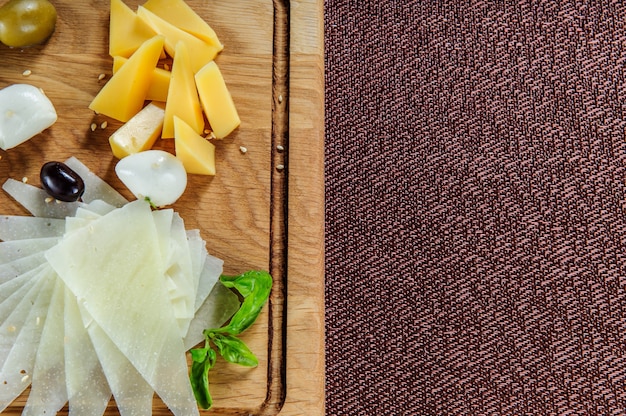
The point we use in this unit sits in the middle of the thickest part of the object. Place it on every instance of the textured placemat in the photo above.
(475, 219)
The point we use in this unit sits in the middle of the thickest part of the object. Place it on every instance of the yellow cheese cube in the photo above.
(126, 31)
(200, 51)
(140, 132)
(178, 13)
(124, 94)
(182, 96)
(159, 83)
(216, 100)
(196, 152)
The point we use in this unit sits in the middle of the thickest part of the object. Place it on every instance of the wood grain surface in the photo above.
(253, 214)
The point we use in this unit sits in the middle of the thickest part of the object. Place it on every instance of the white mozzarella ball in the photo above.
(155, 175)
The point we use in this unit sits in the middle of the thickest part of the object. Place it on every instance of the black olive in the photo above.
(61, 182)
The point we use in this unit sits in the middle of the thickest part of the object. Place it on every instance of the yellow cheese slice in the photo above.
(140, 132)
(178, 13)
(216, 100)
(124, 94)
(200, 51)
(182, 96)
(196, 152)
(126, 31)
(159, 84)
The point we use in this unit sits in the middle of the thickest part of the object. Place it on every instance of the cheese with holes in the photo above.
(196, 152)
(182, 96)
(216, 100)
(200, 51)
(159, 82)
(126, 31)
(140, 132)
(178, 13)
(124, 94)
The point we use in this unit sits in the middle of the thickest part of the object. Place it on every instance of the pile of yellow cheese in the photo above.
(178, 100)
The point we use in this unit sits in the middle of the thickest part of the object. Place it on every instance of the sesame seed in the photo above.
(57, 201)
(11, 328)
(280, 167)
(104, 125)
(207, 131)
(49, 200)
(243, 149)
(280, 148)
(38, 321)
(280, 98)
(24, 179)
(101, 77)
(27, 73)
(94, 126)
(166, 67)
(25, 378)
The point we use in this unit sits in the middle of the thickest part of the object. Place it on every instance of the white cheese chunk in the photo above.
(25, 111)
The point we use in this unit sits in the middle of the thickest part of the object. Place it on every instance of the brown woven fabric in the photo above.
(476, 223)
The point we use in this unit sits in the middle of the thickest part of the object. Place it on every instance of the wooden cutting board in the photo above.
(263, 210)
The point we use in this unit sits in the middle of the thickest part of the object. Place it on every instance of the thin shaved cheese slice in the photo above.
(16, 373)
(17, 272)
(133, 395)
(88, 391)
(99, 206)
(14, 312)
(220, 306)
(210, 274)
(13, 250)
(95, 187)
(8, 306)
(48, 392)
(110, 267)
(17, 227)
(181, 271)
(197, 252)
(176, 256)
(37, 201)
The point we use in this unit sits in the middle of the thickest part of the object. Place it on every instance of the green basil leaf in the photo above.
(203, 359)
(234, 350)
(255, 287)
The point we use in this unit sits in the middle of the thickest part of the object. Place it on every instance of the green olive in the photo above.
(26, 22)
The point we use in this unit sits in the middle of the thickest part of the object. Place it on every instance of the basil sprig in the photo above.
(254, 287)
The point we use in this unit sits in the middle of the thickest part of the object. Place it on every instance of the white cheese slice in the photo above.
(88, 391)
(111, 267)
(18, 367)
(48, 392)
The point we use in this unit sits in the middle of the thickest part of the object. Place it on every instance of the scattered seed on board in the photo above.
(104, 125)
(280, 167)
(11, 328)
(49, 200)
(94, 126)
(280, 98)
(27, 73)
(25, 378)
(166, 67)
(280, 148)
(243, 149)
(101, 77)
(24, 179)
